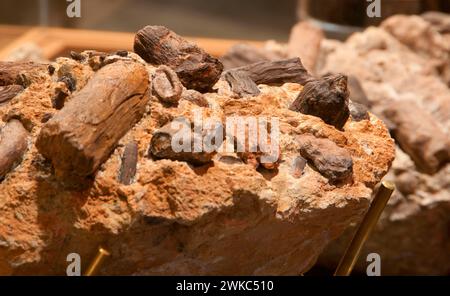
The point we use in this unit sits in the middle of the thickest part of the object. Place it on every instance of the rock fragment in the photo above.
(166, 85)
(7, 93)
(244, 80)
(129, 163)
(241, 84)
(77, 56)
(332, 161)
(67, 85)
(196, 69)
(326, 98)
(18, 72)
(276, 72)
(418, 135)
(13, 144)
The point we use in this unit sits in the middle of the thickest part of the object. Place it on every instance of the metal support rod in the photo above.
(95, 265)
(353, 251)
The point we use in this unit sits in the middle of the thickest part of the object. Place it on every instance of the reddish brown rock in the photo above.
(195, 220)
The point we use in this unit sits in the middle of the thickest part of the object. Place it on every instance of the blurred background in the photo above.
(236, 19)
(249, 19)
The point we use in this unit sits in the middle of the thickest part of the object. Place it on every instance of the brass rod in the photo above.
(353, 251)
(95, 265)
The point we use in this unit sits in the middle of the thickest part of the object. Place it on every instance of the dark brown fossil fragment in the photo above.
(7, 93)
(122, 53)
(166, 85)
(46, 117)
(276, 72)
(129, 163)
(160, 46)
(244, 80)
(161, 146)
(59, 98)
(18, 72)
(69, 80)
(330, 160)
(69, 85)
(241, 84)
(76, 56)
(51, 69)
(96, 59)
(13, 144)
(326, 98)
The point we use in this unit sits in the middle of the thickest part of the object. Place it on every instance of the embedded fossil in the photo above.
(102, 169)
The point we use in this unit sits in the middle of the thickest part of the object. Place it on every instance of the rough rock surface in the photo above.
(412, 236)
(224, 217)
(404, 60)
